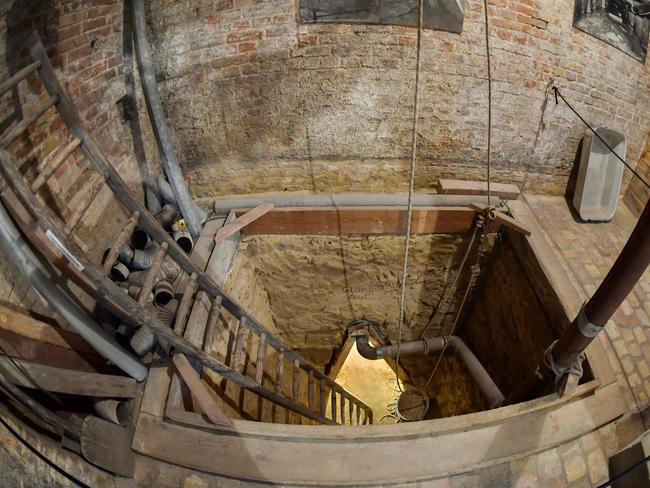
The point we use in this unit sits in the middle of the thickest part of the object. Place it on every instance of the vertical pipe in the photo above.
(622, 277)
(154, 106)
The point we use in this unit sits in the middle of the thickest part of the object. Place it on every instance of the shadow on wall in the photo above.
(129, 103)
(23, 18)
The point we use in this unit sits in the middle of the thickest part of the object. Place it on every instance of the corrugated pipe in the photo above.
(112, 410)
(225, 205)
(45, 282)
(144, 339)
(488, 387)
(157, 116)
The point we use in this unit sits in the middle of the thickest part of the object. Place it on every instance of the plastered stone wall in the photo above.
(317, 284)
(258, 102)
(90, 49)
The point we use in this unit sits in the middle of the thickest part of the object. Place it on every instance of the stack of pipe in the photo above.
(136, 258)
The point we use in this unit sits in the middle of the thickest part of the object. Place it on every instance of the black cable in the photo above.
(557, 93)
(622, 475)
(41, 456)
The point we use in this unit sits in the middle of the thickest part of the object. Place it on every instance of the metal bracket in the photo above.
(585, 326)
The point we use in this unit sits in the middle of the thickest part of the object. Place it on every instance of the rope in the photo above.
(452, 288)
(414, 142)
(489, 145)
(557, 93)
(479, 223)
(489, 78)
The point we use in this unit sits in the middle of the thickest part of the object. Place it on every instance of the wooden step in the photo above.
(122, 238)
(47, 169)
(29, 119)
(18, 77)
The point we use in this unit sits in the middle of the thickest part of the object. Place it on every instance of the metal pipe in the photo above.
(155, 109)
(224, 205)
(56, 294)
(165, 216)
(488, 388)
(143, 258)
(592, 318)
(165, 192)
(152, 195)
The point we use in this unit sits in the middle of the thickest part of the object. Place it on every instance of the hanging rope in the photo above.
(446, 298)
(489, 79)
(556, 90)
(480, 222)
(414, 144)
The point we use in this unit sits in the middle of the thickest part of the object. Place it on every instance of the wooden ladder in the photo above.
(54, 236)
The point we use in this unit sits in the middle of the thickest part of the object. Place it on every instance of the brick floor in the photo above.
(590, 249)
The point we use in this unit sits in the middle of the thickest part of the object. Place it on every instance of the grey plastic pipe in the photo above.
(151, 195)
(167, 196)
(225, 205)
(154, 107)
(488, 387)
(56, 295)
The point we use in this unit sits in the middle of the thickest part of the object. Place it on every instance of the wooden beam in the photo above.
(69, 381)
(18, 77)
(464, 187)
(503, 219)
(242, 221)
(28, 327)
(362, 220)
(199, 391)
(17, 346)
(108, 446)
(370, 453)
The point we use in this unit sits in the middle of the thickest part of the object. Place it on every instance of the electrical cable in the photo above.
(42, 457)
(489, 79)
(414, 143)
(489, 144)
(557, 93)
(622, 475)
(450, 290)
(479, 223)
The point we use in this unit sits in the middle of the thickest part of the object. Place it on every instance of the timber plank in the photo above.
(108, 446)
(199, 391)
(73, 382)
(17, 346)
(354, 459)
(465, 187)
(361, 220)
(28, 327)
(242, 221)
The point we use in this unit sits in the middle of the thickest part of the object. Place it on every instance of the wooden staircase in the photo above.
(54, 236)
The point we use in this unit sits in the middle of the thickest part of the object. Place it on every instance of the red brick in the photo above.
(235, 37)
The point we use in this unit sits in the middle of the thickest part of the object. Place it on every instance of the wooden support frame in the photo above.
(242, 221)
(362, 220)
(73, 382)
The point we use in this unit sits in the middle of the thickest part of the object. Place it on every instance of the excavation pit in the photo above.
(308, 287)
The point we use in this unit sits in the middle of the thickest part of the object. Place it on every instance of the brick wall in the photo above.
(637, 194)
(85, 43)
(258, 102)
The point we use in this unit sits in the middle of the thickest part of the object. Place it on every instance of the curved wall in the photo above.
(260, 103)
